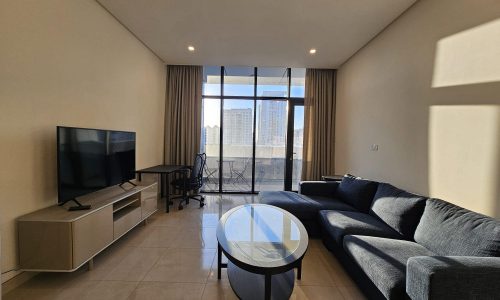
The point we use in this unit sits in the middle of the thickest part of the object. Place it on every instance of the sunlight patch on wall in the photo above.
(468, 57)
(464, 156)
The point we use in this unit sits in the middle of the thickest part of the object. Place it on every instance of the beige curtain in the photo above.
(318, 157)
(183, 114)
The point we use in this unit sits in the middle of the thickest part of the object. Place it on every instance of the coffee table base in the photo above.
(248, 285)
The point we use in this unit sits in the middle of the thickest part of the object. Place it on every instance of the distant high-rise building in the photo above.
(238, 126)
(203, 140)
(272, 122)
(212, 135)
(298, 137)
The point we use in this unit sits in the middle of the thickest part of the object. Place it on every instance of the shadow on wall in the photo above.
(464, 135)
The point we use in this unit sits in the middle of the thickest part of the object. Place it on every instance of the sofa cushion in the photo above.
(448, 229)
(384, 261)
(341, 223)
(302, 206)
(356, 192)
(399, 209)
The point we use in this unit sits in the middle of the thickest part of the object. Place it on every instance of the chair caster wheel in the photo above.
(202, 204)
(180, 207)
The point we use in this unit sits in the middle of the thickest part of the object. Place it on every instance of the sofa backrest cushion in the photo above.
(399, 209)
(450, 230)
(357, 192)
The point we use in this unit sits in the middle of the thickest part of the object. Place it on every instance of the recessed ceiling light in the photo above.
(312, 51)
(191, 48)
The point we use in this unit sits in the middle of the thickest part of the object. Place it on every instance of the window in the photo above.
(246, 133)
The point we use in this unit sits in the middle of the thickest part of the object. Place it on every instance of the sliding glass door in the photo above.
(250, 128)
(270, 149)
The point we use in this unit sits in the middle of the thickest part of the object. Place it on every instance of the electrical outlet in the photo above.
(374, 147)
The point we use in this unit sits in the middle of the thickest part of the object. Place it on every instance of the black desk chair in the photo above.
(191, 183)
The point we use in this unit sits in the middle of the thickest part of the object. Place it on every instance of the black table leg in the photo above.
(267, 287)
(299, 271)
(161, 185)
(167, 190)
(184, 192)
(219, 261)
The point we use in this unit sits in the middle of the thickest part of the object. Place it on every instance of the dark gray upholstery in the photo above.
(384, 261)
(341, 223)
(453, 277)
(301, 206)
(357, 192)
(447, 229)
(399, 209)
(318, 188)
(370, 227)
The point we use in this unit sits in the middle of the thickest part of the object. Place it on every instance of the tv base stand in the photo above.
(128, 181)
(79, 206)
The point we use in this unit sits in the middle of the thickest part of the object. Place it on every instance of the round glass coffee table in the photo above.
(263, 244)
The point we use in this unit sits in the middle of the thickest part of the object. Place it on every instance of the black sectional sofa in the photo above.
(399, 245)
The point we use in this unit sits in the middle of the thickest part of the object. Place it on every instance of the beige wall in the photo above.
(427, 91)
(67, 63)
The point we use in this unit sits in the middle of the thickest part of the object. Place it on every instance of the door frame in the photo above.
(289, 142)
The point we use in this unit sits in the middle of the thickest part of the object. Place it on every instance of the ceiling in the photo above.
(256, 32)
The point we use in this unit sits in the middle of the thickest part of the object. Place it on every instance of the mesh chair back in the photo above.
(197, 172)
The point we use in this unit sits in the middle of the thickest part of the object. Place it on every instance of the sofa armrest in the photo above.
(453, 277)
(318, 188)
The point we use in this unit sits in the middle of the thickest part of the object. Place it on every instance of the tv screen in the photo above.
(92, 159)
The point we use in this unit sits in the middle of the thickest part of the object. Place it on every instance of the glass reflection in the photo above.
(262, 233)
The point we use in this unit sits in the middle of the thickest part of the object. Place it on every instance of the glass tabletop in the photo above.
(262, 235)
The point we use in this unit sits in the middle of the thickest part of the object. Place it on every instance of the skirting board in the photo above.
(16, 280)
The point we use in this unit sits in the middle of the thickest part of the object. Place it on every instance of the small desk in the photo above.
(163, 171)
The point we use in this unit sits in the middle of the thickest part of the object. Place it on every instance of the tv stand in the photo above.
(79, 206)
(54, 239)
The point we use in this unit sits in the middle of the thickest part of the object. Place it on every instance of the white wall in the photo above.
(67, 63)
(427, 91)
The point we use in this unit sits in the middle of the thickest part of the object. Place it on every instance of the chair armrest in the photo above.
(318, 188)
(453, 277)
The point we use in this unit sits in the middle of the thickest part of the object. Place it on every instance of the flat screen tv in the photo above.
(92, 159)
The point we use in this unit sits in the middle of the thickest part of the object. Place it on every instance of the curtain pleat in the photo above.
(318, 157)
(183, 114)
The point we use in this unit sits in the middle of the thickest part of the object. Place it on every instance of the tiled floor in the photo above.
(174, 257)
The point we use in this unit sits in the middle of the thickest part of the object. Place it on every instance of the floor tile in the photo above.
(335, 269)
(204, 237)
(162, 290)
(135, 237)
(313, 292)
(182, 265)
(163, 237)
(179, 219)
(212, 277)
(105, 262)
(218, 290)
(21, 293)
(351, 292)
(102, 290)
(136, 264)
(53, 280)
(314, 270)
(315, 244)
